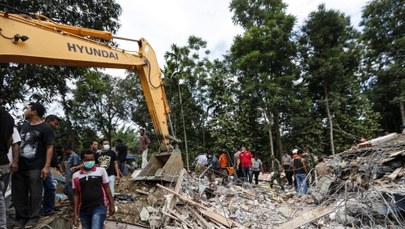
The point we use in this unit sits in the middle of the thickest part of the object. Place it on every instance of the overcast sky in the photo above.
(166, 22)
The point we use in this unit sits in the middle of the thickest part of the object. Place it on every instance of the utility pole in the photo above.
(184, 125)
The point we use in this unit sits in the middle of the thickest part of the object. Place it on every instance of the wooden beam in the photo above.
(306, 218)
(394, 174)
(177, 189)
(200, 219)
(212, 215)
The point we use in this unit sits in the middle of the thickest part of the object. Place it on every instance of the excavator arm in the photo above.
(29, 40)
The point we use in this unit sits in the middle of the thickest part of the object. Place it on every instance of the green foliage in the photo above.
(330, 53)
(384, 38)
(270, 81)
(262, 59)
(96, 106)
(19, 80)
(189, 64)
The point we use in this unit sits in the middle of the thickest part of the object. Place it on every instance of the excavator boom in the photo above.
(38, 40)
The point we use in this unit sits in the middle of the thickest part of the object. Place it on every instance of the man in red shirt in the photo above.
(245, 161)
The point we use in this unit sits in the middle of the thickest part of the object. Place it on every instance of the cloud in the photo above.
(168, 22)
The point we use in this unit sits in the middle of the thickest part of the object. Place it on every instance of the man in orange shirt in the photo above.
(223, 161)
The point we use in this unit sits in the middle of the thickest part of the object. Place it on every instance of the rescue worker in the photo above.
(286, 160)
(223, 162)
(257, 167)
(310, 160)
(277, 170)
(300, 169)
(200, 163)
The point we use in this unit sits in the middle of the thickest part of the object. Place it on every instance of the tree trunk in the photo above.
(276, 119)
(402, 107)
(268, 119)
(332, 145)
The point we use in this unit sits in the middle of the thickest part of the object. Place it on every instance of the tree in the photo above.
(189, 65)
(330, 57)
(18, 80)
(221, 124)
(384, 38)
(96, 105)
(263, 61)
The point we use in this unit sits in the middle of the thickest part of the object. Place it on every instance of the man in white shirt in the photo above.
(200, 163)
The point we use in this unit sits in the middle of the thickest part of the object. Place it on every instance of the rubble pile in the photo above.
(201, 204)
(365, 189)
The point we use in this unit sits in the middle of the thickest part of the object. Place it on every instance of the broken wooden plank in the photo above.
(172, 198)
(200, 219)
(306, 218)
(393, 156)
(394, 174)
(209, 214)
(181, 197)
(141, 192)
(216, 217)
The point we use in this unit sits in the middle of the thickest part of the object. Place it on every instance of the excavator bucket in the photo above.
(162, 167)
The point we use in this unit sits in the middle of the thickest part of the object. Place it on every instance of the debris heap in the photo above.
(365, 189)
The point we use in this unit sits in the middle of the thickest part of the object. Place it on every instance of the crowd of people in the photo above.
(297, 169)
(30, 157)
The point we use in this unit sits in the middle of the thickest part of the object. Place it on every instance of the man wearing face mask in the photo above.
(107, 159)
(91, 192)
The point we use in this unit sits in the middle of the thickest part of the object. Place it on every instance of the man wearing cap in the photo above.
(48, 202)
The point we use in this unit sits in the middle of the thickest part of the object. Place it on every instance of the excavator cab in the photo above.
(162, 167)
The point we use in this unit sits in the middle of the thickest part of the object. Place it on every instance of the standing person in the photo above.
(143, 147)
(293, 156)
(310, 161)
(107, 159)
(94, 146)
(300, 170)
(223, 166)
(245, 161)
(36, 150)
(277, 170)
(223, 162)
(48, 202)
(72, 160)
(13, 156)
(200, 163)
(6, 139)
(286, 160)
(238, 169)
(91, 192)
(257, 167)
(122, 155)
(214, 162)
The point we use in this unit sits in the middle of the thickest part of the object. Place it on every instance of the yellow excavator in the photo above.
(39, 40)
